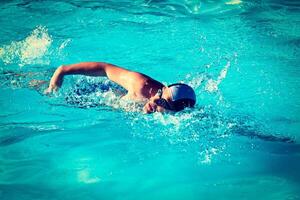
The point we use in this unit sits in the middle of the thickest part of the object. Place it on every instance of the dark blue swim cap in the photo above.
(182, 96)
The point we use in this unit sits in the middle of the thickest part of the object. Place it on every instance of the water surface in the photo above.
(240, 142)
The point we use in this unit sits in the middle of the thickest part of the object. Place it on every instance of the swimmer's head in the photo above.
(182, 96)
(175, 97)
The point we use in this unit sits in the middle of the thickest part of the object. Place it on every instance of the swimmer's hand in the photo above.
(55, 82)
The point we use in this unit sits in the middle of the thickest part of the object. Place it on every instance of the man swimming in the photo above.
(140, 87)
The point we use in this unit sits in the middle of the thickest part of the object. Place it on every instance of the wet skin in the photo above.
(140, 87)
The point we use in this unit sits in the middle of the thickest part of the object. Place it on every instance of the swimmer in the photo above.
(140, 87)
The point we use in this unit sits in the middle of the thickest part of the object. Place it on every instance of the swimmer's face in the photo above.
(159, 103)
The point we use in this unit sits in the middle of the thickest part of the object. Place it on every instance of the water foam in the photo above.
(212, 85)
(206, 126)
(90, 92)
(233, 2)
(31, 50)
(205, 157)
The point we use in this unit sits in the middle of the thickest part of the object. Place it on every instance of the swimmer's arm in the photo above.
(119, 75)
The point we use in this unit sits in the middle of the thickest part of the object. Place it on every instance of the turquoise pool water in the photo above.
(240, 142)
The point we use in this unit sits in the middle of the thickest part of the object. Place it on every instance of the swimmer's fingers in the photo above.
(47, 91)
(54, 85)
(51, 89)
(55, 81)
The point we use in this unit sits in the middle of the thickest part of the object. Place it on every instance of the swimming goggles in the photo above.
(161, 101)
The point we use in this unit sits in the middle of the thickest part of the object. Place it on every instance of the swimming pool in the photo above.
(240, 142)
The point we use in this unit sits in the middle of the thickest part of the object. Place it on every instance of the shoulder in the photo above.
(145, 86)
(138, 85)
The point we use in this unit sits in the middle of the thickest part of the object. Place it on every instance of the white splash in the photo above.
(84, 176)
(195, 80)
(64, 44)
(212, 85)
(31, 50)
(206, 156)
(233, 2)
(193, 6)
